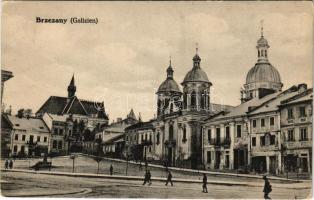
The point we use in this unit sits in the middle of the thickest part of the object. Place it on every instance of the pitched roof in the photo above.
(243, 108)
(63, 105)
(28, 124)
(141, 126)
(305, 96)
(109, 138)
(272, 104)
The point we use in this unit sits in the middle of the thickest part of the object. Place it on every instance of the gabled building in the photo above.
(91, 113)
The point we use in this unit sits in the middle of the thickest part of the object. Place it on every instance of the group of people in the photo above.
(8, 164)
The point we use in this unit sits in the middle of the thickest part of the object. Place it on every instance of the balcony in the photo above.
(170, 143)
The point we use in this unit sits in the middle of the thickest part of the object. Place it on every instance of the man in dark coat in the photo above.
(205, 183)
(267, 188)
(169, 179)
(6, 164)
(147, 178)
(111, 170)
(11, 164)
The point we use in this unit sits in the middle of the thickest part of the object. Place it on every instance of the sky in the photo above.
(122, 60)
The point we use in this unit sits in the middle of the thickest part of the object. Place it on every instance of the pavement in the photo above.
(20, 183)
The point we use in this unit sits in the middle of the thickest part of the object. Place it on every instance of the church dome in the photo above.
(196, 75)
(169, 85)
(262, 42)
(263, 72)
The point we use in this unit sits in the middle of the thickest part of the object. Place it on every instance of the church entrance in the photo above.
(217, 159)
(170, 157)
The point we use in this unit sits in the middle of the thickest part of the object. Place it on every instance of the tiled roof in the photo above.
(108, 138)
(243, 108)
(305, 96)
(28, 124)
(141, 126)
(63, 105)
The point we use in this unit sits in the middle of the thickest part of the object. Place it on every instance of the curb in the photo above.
(138, 178)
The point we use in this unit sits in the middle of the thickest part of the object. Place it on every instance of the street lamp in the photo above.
(73, 158)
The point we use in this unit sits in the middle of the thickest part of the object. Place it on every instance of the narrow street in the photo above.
(27, 185)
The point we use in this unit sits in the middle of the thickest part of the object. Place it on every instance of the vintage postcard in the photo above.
(151, 99)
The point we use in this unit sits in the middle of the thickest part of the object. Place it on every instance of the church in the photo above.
(180, 114)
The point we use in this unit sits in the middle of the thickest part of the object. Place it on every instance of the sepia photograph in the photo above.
(157, 99)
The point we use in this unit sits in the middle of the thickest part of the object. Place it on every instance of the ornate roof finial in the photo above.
(262, 29)
(170, 60)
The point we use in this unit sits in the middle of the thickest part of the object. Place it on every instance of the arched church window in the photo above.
(158, 138)
(184, 135)
(170, 132)
(171, 107)
(185, 100)
(203, 97)
(259, 54)
(193, 98)
(265, 53)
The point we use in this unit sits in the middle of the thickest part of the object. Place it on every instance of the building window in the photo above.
(170, 132)
(253, 141)
(38, 138)
(209, 135)
(302, 111)
(23, 137)
(227, 132)
(45, 139)
(193, 98)
(142, 137)
(184, 135)
(60, 145)
(15, 149)
(54, 144)
(158, 138)
(22, 149)
(16, 137)
(272, 139)
(239, 129)
(127, 138)
(290, 113)
(303, 134)
(60, 131)
(150, 137)
(218, 135)
(55, 131)
(209, 157)
(262, 140)
(290, 135)
(70, 132)
(254, 123)
(150, 149)
(272, 121)
(262, 122)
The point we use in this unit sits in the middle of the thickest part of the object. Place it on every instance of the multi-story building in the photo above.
(28, 136)
(265, 135)
(262, 83)
(296, 128)
(139, 141)
(91, 113)
(61, 127)
(5, 75)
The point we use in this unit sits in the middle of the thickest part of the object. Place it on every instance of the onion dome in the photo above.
(196, 74)
(169, 85)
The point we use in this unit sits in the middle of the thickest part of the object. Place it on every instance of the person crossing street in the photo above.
(205, 183)
(169, 178)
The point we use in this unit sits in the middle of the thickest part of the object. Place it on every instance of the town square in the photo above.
(185, 100)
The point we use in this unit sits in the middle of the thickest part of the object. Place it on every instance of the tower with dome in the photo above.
(263, 78)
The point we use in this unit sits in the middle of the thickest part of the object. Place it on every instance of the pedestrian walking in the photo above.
(149, 177)
(111, 170)
(205, 183)
(169, 178)
(146, 179)
(11, 164)
(6, 164)
(267, 188)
